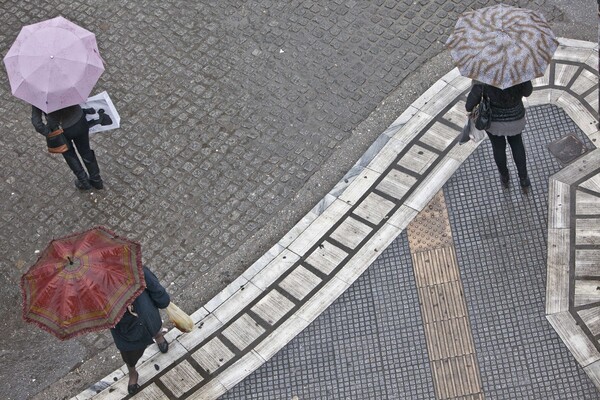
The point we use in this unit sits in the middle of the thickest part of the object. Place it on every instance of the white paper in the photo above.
(102, 100)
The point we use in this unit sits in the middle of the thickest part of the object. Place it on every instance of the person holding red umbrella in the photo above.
(94, 280)
(140, 326)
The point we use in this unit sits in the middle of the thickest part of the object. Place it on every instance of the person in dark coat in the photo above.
(141, 326)
(508, 121)
(76, 130)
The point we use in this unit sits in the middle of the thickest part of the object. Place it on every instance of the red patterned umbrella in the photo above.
(82, 283)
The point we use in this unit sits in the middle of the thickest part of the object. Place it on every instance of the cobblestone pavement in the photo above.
(227, 112)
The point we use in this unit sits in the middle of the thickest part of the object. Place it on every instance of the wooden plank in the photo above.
(578, 113)
(417, 159)
(181, 378)
(587, 231)
(457, 114)
(351, 232)
(396, 184)
(579, 168)
(243, 331)
(300, 282)
(584, 82)
(573, 336)
(559, 204)
(557, 286)
(319, 226)
(444, 313)
(360, 185)
(587, 262)
(586, 292)
(151, 392)
(326, 257)
(591, 319)
(439, 136)
(587, 204)
(592, 184)
(212, 355)
(441, 100)
(564, 73)
(272, 307)
(374, 208)
(456, 377)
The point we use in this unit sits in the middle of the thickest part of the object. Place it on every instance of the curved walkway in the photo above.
(280, 294)
(573, 291)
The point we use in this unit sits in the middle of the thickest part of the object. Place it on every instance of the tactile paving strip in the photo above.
(429, 229)
(443, 308)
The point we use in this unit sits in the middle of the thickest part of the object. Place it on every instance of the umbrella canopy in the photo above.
(53, 64)
(82, 283)
(502, 45)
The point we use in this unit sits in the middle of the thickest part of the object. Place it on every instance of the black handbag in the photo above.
(483, 118)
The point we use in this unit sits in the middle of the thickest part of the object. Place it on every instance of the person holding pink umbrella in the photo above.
(76, 131)
(53, 65)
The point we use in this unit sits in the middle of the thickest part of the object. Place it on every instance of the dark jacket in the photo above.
(64, 118)
(506, 104)
(134, 333)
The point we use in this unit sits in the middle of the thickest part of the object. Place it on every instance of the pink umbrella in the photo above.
(53, 64)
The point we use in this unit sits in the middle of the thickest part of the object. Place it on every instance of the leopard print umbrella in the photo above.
(502, 45)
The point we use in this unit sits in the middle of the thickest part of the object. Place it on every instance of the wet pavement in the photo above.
(371, 343)
(474, 268)
(235, 122)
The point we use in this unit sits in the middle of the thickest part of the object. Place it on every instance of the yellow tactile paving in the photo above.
(443, 308)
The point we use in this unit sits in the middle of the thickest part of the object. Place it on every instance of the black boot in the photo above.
(92, 167)
(525, 184)
(504, 179)
(82, 185)
(82, 182)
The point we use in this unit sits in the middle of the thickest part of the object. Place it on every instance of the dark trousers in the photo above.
(78, 138)
(132, 357)
(518, 152)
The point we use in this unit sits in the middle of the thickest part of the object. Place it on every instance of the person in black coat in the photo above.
(141, 326)
(508, 121)
(76, 130)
